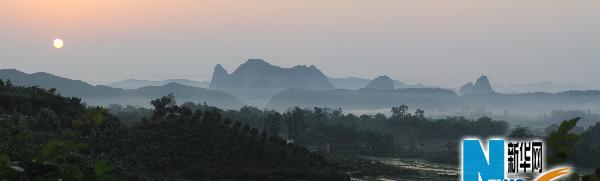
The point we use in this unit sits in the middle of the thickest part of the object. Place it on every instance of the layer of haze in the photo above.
(444, 43)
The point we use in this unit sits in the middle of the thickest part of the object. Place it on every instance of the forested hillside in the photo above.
(84, 143)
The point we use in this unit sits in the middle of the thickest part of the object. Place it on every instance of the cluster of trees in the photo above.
(310, 128)
(44, 135)
(416, 128)
(565, 146)
(567, 142)
(88, 143)
(401, 134)
(129, 114)
(586, 152)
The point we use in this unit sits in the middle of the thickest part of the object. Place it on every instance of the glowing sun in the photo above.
(58, 43)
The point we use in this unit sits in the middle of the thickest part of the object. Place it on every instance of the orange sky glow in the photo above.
(490, 37)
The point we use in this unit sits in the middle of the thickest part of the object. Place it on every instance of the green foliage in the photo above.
(60, 156)
(181, 143)
(561, 142)
(40, 135)
(310, 128)
(103, 171)
(44, 136)
(274, 121)
(55, 160)
(587, 152)
(8, 168)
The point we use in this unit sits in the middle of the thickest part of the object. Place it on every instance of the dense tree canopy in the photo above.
(587, 148)
(88, 143)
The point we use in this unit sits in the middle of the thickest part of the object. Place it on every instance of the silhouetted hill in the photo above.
(256, 79)
(349, 82)
(481, 86)
(134, 84)
(354, 83)
(381, 83)
(66, 86)
(104, 95)
(401, 85)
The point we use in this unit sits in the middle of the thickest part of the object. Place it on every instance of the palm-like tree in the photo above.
(561, 142)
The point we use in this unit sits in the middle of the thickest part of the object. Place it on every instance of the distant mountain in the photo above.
(545, 86)
(104, 95)
(402, 85)
(478, 96)
(438, 100)
(381, 83)
(349, 82)
(134, 84)
(256, 80)
(66, 86)
(354, 83)
(481, 86)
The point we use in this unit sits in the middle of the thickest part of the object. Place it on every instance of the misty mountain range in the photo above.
(477, 98)
(256, 80)
(481, 87)
(104, 95)
(353, 83)
(135, 84)
(380, 93)
(261, 84)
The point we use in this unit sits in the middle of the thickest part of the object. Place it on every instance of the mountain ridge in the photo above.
(105, 95)
(481, 86)
(381, 83)
(355, 83)
(138, 83)
(257, 80)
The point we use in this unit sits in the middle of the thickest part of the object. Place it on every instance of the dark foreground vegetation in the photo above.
(45, 135)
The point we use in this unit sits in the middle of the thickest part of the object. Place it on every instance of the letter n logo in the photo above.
(477, 164)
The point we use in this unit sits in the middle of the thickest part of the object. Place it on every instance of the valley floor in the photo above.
(423, 170)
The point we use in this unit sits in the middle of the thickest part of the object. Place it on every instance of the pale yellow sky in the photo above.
(436, 42)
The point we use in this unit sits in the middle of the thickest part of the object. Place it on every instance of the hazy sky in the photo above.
(442, 42)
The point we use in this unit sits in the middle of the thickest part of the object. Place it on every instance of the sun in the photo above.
(58, 43)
